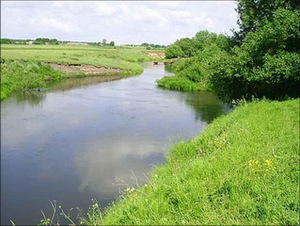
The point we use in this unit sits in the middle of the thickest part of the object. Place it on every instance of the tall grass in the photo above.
(25, 75)
(121, 58)
(243, 170)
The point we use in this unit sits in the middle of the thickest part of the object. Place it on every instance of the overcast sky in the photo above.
(125, 22)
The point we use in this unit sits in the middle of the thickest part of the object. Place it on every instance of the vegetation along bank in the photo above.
(261, 59)
(24, 67)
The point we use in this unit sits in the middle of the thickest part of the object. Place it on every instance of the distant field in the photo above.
(118, 57)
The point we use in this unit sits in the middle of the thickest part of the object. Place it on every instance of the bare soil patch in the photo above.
(156, 54)
(84, 69)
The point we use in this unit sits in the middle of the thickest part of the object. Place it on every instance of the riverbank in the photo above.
(243, 169)
(26, 67)
(179, 82)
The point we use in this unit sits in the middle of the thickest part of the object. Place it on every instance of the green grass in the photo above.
(178, 83)
(242, 170)
(21, 75)
(122, 58)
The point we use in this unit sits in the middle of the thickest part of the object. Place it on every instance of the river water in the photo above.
(81, 140)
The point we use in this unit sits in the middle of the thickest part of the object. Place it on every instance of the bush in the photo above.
(266, 64)
(174, 51)
(21, 75)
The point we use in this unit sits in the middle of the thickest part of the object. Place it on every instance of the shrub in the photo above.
(266, 64)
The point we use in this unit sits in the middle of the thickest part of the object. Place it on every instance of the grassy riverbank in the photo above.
(122, 58)
(23, 68)
(24, 75)
(243, 169)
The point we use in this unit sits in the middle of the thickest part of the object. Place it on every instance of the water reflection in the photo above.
(70, 83)
(207, 106)
(73, 144)
(102, 166)
(33, 98)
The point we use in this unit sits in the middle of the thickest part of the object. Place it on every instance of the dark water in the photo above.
(81, 140)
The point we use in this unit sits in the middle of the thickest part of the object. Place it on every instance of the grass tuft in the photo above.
(178, 83)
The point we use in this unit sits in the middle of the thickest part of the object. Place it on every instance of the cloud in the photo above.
(166, 4)
(135, 22)
(57, 25)
(103, 9)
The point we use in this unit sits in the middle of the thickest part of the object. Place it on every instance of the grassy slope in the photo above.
(243, 169)
(122, 58)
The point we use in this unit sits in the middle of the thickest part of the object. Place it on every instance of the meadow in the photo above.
(242, 170)
(123, 58)
(23, 66)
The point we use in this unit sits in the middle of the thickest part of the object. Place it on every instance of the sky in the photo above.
(124, 22)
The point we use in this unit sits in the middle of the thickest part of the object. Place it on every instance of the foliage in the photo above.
(189, 47)
(242, 170)
(252, 12)
(94, 215)
(203, 50)
(104, 41)
(199, 69)
(41, 41)
(174, 51)
(21, 75)
(266, 64)
(177, 83)
(5, 41)
(154, 46)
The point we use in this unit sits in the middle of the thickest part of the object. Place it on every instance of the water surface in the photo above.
(81, 140)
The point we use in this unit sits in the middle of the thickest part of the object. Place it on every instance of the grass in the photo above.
(242, 170)
(22, 68)
(178, 83)
(122, 58)
(24, 75)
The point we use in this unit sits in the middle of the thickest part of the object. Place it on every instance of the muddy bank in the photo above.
(84, 69)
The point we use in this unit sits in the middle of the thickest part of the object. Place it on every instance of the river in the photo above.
(81, 140)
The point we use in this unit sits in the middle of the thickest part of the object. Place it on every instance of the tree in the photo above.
(5, 41)
(266, 64)
(174, 51)
(252, 12)
(104, 41)
(112, 43)
(53, 41)
(187, 46)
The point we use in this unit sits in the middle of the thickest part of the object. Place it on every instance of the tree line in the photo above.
(38, 41)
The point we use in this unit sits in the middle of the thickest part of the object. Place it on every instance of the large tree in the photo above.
(252, 12)
(267, 63)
